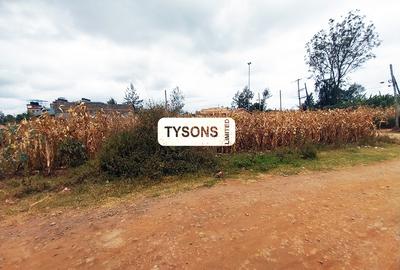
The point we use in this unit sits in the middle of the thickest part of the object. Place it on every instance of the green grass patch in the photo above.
(291, 162)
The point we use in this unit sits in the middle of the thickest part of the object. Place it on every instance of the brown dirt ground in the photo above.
(344, 219)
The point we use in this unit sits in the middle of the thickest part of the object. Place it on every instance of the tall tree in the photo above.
(132, 98)
(328, 94)
(334, 53)
(242, 99)
(176, 100)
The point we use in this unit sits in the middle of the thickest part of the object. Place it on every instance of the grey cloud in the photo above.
(95, 48)
(32, 20)
(136, 21)
(211, 25)
(5, 82)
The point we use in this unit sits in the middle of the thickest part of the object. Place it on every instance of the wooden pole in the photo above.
(298, 92)
(396, 98)
(166, 100)
(305, 87)
(280, 100)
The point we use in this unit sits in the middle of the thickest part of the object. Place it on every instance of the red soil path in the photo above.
(344, 219)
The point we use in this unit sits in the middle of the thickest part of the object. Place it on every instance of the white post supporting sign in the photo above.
(196, 131)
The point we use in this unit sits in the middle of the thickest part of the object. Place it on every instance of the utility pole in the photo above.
(280, 100)
(305, 87)
(166, 100)
(249, 63)
(396, 93)
(298, 92)
(307, 104)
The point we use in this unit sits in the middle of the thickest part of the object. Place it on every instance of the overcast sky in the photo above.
(94, 49)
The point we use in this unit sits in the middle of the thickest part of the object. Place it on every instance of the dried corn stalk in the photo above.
(34, 143)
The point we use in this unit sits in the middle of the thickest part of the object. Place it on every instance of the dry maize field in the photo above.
(270, 130)
(32, 145)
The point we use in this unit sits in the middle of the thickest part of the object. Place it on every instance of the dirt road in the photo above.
(345, 219)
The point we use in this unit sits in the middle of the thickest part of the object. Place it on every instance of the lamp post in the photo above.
(249, 63)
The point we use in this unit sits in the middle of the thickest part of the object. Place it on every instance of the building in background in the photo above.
(61, 106)
(218, 111)
(37, 107)
(34, 108)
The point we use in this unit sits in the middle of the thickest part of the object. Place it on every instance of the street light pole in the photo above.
(249, 63)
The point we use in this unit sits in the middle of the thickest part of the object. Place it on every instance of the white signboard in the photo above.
(196, 131)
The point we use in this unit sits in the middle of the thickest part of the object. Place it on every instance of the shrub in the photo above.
(71, 153)
(308, 151)
(285, 154)
(137, 152)
(391, 123)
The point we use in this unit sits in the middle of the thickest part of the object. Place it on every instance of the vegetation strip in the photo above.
(86, 186)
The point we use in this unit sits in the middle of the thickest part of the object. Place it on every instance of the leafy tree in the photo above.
(242, 99)
(22, 116)
(2, 117)
(266, 94)
(334, 53)
(132, 98)
(383, 101)
(328, 94)
(9, 118)
(374, 101)
(111, 101)
(262, 105)
(309, 103)
(176, 99)
(355, 91)
(355, 96)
